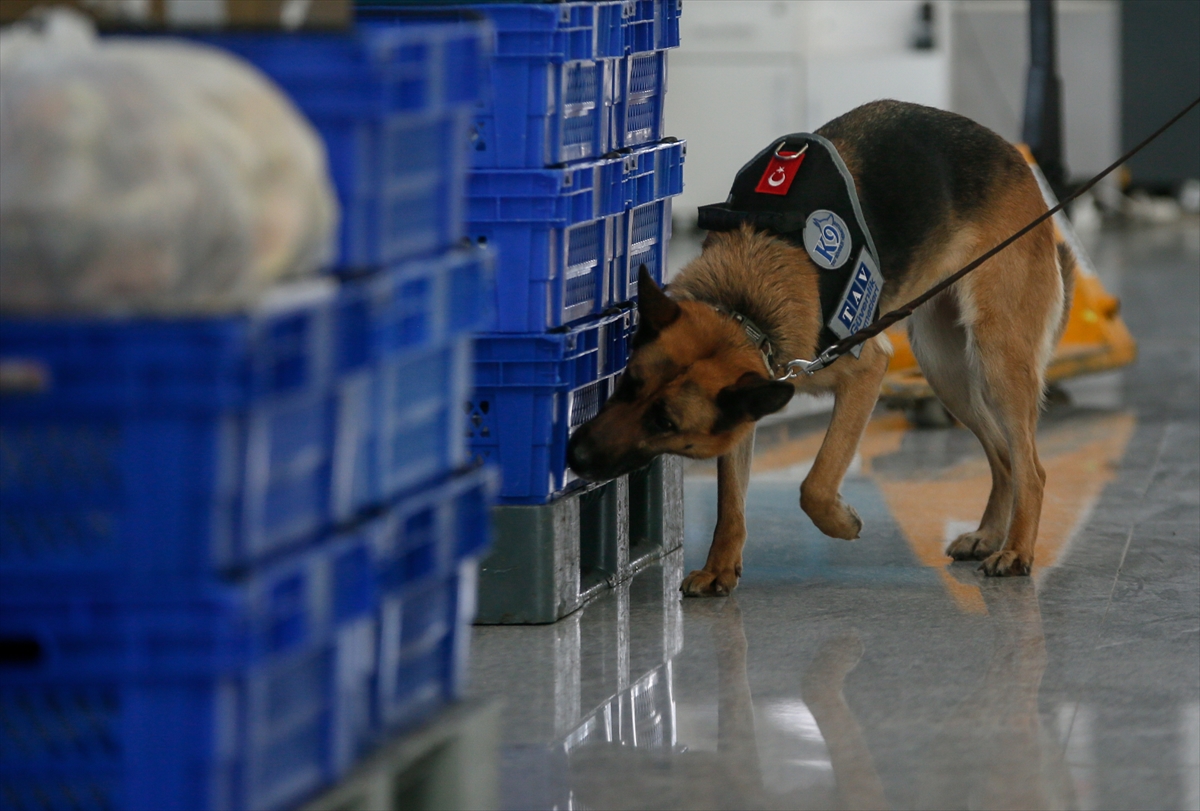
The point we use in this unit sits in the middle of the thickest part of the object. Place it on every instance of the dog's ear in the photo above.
(656, 311)
(751, 398)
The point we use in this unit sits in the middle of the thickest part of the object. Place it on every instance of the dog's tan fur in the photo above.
(983, 346)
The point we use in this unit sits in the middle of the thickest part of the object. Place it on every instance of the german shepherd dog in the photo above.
(936, 190)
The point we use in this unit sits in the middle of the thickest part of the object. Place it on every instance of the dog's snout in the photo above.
(579, 455)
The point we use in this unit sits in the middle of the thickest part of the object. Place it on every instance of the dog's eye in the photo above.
(627, 389)
(661, 421)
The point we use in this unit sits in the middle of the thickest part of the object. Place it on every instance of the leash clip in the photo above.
(808, 367)
(798, 366)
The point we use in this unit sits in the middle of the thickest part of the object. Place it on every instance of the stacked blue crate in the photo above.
(532, 391)
(571, 185)
(240, 693)
(238, 551)
(393, 102)
(403, 357)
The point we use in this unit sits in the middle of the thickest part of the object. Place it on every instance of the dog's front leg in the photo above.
(855, 391)
(724, 565)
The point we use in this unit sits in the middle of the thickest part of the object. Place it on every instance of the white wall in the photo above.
(748, 71)
(990, 53)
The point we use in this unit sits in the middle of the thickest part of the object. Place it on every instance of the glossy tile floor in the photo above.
(876, 674)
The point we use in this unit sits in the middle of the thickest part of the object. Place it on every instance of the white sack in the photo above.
(145, 175)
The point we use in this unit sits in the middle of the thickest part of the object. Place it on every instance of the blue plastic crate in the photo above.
(552, 81)
(400, 421)
(429, 599)
(428, 530)
(564, 195)
(560, 235)
(431, 539)
(392, 103)
(545, 113)
(399, 182)
(410, 64)
(560, 31)
(552, 31)
(644, 231)
(428, 543)
(412, 304)
(531, 391)
(250, 693)
(550, 274)
(651, 25)
(637, 116)
(648, 236)
(146, 447)
(570, 81)
(237, 695)
(425, 632)
(404, 354)
(654, 172)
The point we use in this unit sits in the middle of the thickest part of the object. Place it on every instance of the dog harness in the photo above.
(800, 190)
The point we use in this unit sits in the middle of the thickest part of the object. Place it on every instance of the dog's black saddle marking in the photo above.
(821, 186)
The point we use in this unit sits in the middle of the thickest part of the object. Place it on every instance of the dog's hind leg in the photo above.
(1013, 393)
(1012, 321)
(939, 341)
(724, 565)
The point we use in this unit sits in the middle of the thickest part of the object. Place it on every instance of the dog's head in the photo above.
(693, 386)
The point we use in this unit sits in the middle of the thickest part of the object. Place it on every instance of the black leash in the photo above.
(843, 346)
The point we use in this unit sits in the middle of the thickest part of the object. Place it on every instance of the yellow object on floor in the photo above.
(1095, 338)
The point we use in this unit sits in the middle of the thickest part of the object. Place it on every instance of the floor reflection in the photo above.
(929, 485)
(990, 749)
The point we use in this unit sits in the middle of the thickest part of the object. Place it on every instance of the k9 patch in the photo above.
(856, 309)
(827, 239)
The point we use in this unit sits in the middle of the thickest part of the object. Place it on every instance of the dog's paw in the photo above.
(974, 546)
(1006, 564)
(703, 583)
(837, 519)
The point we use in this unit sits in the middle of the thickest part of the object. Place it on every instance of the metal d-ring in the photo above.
(783, 157)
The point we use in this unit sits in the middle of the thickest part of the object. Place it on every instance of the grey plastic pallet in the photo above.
(548, 560)
(451, 762)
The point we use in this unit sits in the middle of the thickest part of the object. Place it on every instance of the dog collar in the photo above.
(799, 189)
(755, 333)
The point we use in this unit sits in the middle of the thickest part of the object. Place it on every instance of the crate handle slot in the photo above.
(20, 651)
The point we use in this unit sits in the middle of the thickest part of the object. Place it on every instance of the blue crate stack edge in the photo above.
(239, 552)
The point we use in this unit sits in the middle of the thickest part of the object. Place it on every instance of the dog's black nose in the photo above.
(578, 453)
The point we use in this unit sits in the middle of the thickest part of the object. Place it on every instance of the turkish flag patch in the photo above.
(778, 176)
